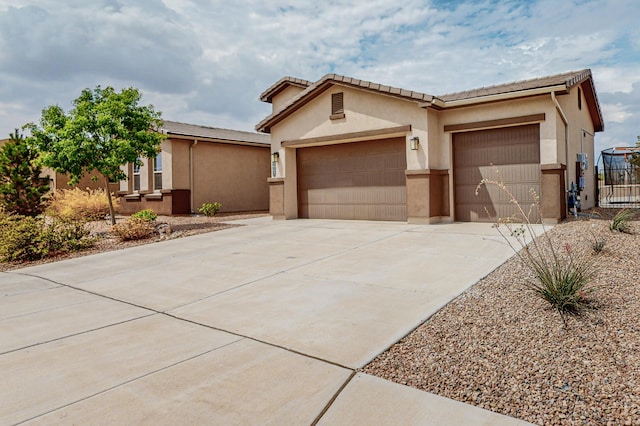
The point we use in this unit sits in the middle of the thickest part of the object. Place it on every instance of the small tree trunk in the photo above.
(111, 209)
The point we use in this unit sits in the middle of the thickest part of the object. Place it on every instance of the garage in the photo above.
(515, 152)
(356, 180)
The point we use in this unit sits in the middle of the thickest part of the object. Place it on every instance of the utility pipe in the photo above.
(191, 173)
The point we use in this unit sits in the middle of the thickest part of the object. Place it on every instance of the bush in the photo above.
(76, 204)
(210, 209)
(24, 238)
(133, 229)
(147, 215)
(620, 222)
(561, 277)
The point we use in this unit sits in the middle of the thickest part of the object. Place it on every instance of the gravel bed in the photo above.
(501, 348)
(180, 226)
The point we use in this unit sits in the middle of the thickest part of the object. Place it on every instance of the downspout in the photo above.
(191, 179)
(566, 138)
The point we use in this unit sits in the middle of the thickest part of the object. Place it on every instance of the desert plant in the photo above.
(620, 222)
(68, 235)
(146, 214)
(561, 277)
(78, 205)
(210, 209)
(133, 229)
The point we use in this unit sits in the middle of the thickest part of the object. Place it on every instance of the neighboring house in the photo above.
(196, 165)
(60, 180)
(350, 149)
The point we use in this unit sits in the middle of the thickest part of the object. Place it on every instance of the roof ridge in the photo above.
(213, 128)
(574, 74)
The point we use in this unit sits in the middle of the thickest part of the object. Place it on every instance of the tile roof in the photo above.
(184, 129)
(282, 84)
(569, 79)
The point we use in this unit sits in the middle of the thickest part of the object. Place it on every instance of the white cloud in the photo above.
(206, 61)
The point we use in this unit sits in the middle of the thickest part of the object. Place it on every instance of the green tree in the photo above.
(104, 131)
(21, 188)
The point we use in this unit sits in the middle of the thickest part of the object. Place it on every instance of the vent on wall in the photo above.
(337, 105)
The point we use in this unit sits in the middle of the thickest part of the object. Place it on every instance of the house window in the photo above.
(579, 98)
(136, 176)
(337, 106)
(157, 172)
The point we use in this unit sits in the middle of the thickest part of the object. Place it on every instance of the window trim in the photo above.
(135, 173)
(156, 172)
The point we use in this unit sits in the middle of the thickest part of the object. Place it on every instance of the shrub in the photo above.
(147, 215)
(76, 204)
(210, 209)
(133, 229)
(561, 277)
(31, 238)
(620, 222)
(22, 238)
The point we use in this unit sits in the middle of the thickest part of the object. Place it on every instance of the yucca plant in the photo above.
(561, 277)
(620, 222)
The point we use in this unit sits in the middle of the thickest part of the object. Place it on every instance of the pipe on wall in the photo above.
(191, 174)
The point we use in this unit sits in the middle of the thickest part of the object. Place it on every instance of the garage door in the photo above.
(358, 180)
(515, 152)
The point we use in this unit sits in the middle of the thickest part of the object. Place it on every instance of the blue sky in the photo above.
(207, 61)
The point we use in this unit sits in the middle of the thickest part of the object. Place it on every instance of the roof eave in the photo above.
(439, 104)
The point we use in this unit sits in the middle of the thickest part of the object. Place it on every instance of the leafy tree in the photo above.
(21, 188)
(104, 131)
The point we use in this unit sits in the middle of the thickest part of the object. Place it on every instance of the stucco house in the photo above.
(345, 148)
(196, 165)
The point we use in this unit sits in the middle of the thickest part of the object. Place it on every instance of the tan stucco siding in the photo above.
(579, 120)
(180, 164)
(233, 175)
(283, 97)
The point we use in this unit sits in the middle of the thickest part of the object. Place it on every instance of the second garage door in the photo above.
(514, 152)
(358, 180)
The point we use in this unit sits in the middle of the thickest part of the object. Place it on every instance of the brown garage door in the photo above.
(515, 152)
(358, 180)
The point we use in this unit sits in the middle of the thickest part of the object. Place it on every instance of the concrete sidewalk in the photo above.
(266, 323)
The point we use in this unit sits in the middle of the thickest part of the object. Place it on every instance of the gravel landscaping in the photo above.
(169, 226)
(500, 347)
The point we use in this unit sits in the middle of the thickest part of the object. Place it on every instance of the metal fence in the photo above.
(618, 179)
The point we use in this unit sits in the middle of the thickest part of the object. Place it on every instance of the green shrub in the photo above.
(133, 229)
(561, 277)
(210, 209)
(147, 215)
(24, 238)
(79, 205)
(620, 222)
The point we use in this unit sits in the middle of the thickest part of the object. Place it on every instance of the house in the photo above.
(345, 148)
(59, 180)
(196, 165)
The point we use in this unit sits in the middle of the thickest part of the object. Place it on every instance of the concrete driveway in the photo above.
(265, 323)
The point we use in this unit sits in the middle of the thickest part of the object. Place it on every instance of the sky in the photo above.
(207, 61)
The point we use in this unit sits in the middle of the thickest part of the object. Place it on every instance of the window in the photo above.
(157, 172)
(579, 98)
(337, 106)
(136, 177)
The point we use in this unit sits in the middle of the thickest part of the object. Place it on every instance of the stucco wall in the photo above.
(579, 120)
(180, 164)
(233, 175)
(283, 97)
